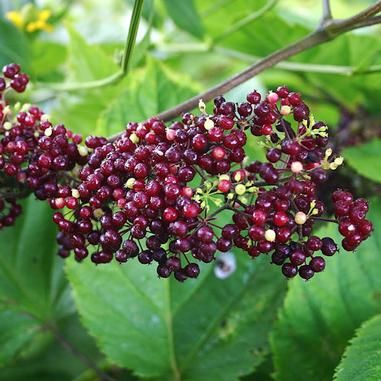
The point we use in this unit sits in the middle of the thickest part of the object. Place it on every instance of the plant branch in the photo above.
(323, 34)
(127, 53)
(311, 40)
(350, 23)
(364, 23)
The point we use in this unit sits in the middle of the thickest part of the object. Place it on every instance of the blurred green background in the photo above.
(77, 322)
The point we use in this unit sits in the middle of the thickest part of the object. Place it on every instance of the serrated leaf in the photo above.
(152, 90)
(362, 358)
(320, 316)
(184, 14)
(365, 159)
(206, 329)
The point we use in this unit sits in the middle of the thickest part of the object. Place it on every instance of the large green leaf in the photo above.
(362, 359)
(204, 329)
(152, 90)
(33, 290)
(13, 45)
(365, 159)
(320, 316)
(184, 14)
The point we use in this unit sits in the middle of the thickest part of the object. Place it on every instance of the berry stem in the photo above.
(325, 219)
(224, 207)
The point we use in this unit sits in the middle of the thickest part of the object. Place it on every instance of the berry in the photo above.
(306, 272)
(289, 270)
(192, 270)
(297, 258)
(329, 246)
(317, 264)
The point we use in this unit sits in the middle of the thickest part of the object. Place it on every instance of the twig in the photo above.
(324, 219)
(269, 61)
(224, 207)
(364, 23)
(351, 23)
(327, 13)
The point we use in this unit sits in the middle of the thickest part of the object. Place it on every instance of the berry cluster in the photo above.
(9, 211)
(13, 78)
(351, 215)
(39, 156)
(180, 193)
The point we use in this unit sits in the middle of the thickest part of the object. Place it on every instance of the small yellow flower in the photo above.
(41, 22)
(15, 18)
(31, 19)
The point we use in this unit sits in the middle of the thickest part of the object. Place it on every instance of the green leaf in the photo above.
(87, 62)
(56, 361)
(320, 316)
(47, 57)
(17, 331)
(204, 329)
(152, 90)
(362, 359)
(33, 290)
(231, 12)
(184, 14)
(30, 271)
(80, 111)
(365, 159)
(13, 45)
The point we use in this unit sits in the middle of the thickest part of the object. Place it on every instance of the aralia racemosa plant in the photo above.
(179, 193)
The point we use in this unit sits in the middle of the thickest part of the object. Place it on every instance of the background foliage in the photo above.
(80, 322)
